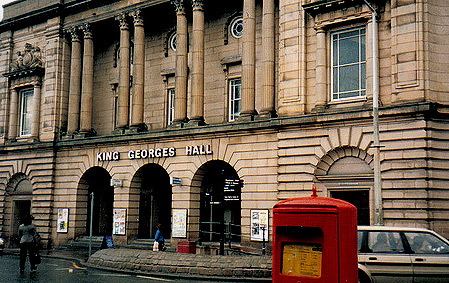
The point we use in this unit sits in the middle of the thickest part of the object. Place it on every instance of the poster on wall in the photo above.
(63, 220)
(259, 225)
(179, 223)
(119, 221)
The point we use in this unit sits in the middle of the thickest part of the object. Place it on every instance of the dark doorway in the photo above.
(358, 198)
(220, 201)
(155, 201)
(21, 209)
(98, 181)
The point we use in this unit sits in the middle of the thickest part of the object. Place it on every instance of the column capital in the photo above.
(86, 28)
(319, 28)
(197, 5)
(122, 20)
(73, 31)
(179, 5)
(137, 17)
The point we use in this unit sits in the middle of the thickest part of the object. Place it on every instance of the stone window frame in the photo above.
(227, 26)
(171, 92)
(332, 65)
(233, 116)
(168, 76)
(25, 118)
(167, 39)
(232, 67)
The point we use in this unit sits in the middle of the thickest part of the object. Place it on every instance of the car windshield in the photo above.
(426, 243)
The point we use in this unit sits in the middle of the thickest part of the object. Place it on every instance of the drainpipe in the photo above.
(378, 213)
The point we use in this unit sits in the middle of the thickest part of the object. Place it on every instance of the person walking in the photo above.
(159, 238)
(28, 245)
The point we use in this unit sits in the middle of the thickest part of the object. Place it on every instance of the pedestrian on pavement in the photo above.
(27, 233)
(159, 238)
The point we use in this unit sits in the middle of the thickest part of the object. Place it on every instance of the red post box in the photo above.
(314, 240)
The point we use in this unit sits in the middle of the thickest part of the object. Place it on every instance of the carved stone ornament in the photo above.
(28, 59)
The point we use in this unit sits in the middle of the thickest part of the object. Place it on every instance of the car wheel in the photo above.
(363, 278)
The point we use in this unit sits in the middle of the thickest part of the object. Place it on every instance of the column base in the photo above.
(195, 122)
(119, 131)
(267, 114)
(318, 108)
(84, 134)
(178, 124)
(139, 128)
(247, 116)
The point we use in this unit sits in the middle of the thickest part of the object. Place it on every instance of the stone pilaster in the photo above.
(268, 97)
(197, 117)
(36, 111)
(87, 82)
(13, 114)
(124, 74)
(181, 64)
(321, 70)
(75, 83)
(137, 123)
(248, 110)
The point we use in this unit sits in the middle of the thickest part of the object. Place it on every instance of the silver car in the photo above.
(402, 255)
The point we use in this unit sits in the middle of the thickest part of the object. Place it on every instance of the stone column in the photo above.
(248, 110)
(87, 82)
(36, 110)
(181, 64)
(321, 70)
(124, 76)
(198, 63)
(139, 72)
(268, 98)
(13, 114)
(75, 84)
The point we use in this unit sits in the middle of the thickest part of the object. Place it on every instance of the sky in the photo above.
(3, 2)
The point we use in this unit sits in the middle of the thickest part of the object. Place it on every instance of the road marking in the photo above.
(78, 267)
(153, 278)
(112, 275)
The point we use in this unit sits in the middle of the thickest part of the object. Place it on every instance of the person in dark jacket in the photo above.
(160, 238)
(27, 231)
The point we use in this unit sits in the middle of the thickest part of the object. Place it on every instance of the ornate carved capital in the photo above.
(137, 17)
(122, 20)
(179, 5)
(197, 5)
(86, 28)
(74, 33)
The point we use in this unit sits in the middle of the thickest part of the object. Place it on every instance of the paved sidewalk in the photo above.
(184, 265)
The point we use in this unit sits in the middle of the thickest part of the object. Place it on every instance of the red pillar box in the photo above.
(187, 247)
(314, 240)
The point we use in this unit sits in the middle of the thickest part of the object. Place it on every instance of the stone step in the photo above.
(146, 244)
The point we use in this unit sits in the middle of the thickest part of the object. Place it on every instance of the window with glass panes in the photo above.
(235, 98)
(26, 106)
(348, 64)
(170, 106)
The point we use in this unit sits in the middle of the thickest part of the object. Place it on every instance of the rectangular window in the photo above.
(235, 98)
(26, 106)
(348, 64)
(170, 106)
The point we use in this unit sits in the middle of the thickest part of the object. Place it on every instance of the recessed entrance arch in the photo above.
(18, 201)
(217, 204)
(347, 174)
(97, 180)
(155, 200)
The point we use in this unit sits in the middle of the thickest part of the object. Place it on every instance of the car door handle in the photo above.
(419, 259)
(372, 258)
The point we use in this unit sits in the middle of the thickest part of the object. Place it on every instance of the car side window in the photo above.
(426, 243)
(385, 242)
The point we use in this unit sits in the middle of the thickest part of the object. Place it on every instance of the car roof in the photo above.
(393, 228)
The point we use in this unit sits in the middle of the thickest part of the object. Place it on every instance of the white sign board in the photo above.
(259, 225)
(179, 223)
(63, 220)
(119, 221)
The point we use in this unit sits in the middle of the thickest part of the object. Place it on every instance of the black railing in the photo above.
(227, 235)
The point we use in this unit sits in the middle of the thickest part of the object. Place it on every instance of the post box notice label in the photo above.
(302, 259)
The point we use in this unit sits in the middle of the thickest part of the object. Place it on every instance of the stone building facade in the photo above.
(192, 113)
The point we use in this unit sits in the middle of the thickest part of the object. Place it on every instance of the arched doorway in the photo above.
(155, 200)
(18, 197)
(97, 181)
(347, 175)
(220, 200)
